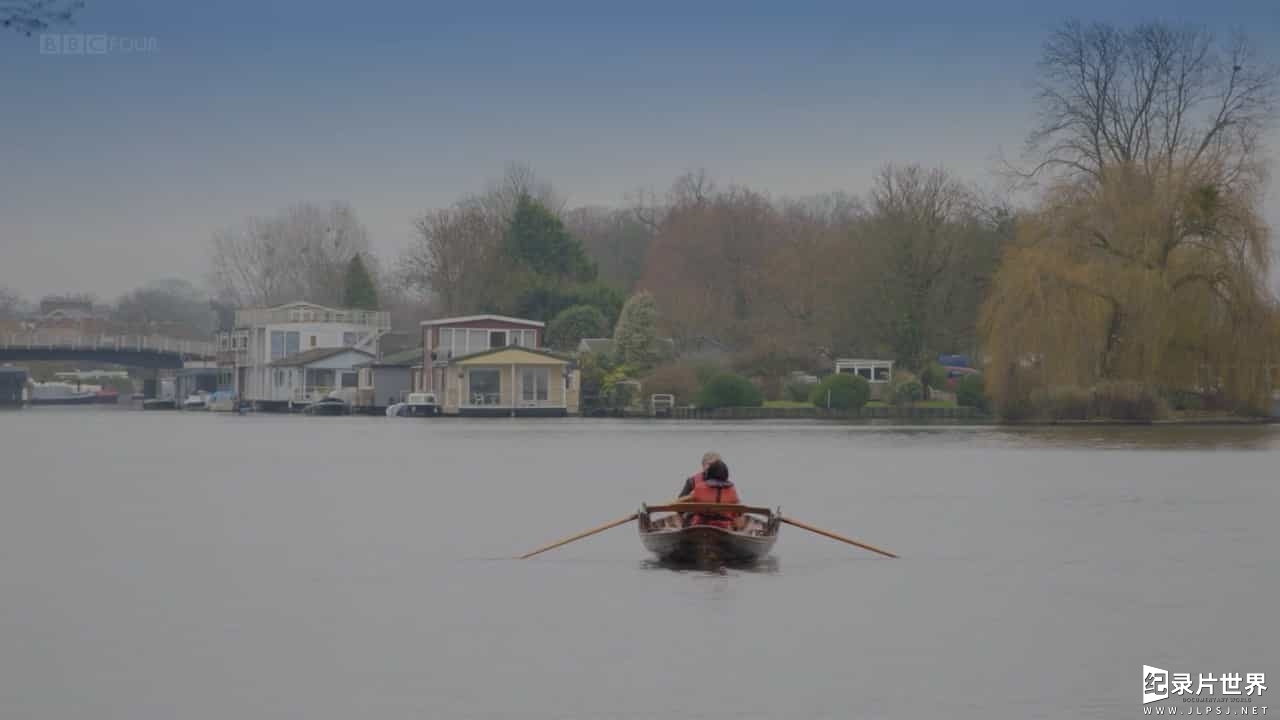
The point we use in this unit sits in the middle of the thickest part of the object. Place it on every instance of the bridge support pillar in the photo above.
(151, 384)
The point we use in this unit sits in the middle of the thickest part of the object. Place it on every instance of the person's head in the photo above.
(717, 474)
(708, 458)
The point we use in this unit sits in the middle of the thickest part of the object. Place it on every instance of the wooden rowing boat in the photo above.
(668, 539)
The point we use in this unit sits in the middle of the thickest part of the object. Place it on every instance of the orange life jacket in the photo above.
(704, 493)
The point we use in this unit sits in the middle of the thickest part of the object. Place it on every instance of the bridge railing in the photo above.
(121, 343)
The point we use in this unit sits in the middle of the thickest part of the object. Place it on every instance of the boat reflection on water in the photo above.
(769, 565)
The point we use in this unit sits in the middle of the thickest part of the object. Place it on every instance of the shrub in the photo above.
(843, 391)
(729, 390)
(797, 390)
(934, 377)
(1184, 400)
(707, 371)
(573, 324)
(1067, 402)
(543, 299)
(971, 392)
(907, 392)
(1127, 400)
(678, 379)
(904, 378)
(618, 390)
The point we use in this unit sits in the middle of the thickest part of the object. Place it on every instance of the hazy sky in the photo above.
(116, 168)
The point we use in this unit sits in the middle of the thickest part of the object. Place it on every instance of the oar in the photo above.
(834, 536)
(581, 535)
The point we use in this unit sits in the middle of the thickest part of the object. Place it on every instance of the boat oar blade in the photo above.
(580, 535)
(835, 536)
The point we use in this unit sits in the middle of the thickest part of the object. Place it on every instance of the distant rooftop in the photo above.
(474, 318)
(300, 312)
(404, 358)
(316, 355)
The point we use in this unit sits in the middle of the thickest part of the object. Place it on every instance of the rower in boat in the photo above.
(712, 485)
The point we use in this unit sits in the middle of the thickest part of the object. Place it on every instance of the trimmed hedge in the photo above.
(729, 390)
(842, 391)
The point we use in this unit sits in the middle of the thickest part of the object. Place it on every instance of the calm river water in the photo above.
(166, 565)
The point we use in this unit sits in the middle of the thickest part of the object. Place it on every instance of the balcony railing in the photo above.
(377, 319)
(311, 394)
(122, 343)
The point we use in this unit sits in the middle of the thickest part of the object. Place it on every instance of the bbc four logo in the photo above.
(94, 44)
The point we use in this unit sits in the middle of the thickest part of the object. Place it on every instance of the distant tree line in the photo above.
(1140, 261)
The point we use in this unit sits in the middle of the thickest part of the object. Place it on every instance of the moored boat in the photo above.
(60, 393)
(421, 405)
(671, 541)
(196, 401)
(222, 401)
(328, 406)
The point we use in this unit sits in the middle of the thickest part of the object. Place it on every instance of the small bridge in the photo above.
(143, 351)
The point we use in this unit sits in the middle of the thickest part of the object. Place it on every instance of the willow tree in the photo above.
(1147, 257)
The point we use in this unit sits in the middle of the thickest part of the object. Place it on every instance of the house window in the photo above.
(533, 384)
(477, 340)
(485, 386)
(453, 343)
(348, 380)
(882, 374)
(497, 339)
(277, 345)
(313, 341)
(348, 339)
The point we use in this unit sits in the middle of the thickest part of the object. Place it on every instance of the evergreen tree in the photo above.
(635, 339)
(537, 239)
(573, 324)
(360, 292)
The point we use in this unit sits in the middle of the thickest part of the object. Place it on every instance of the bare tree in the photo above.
(455, 260)
(451, 257)
(10, 304)
(297, 254)
(616, 240)
(32, 16)
(1158, 97)
(500, 198)
(694, 187)
(644, 206)
(934, 247)
(172, 307)
(708, 263)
